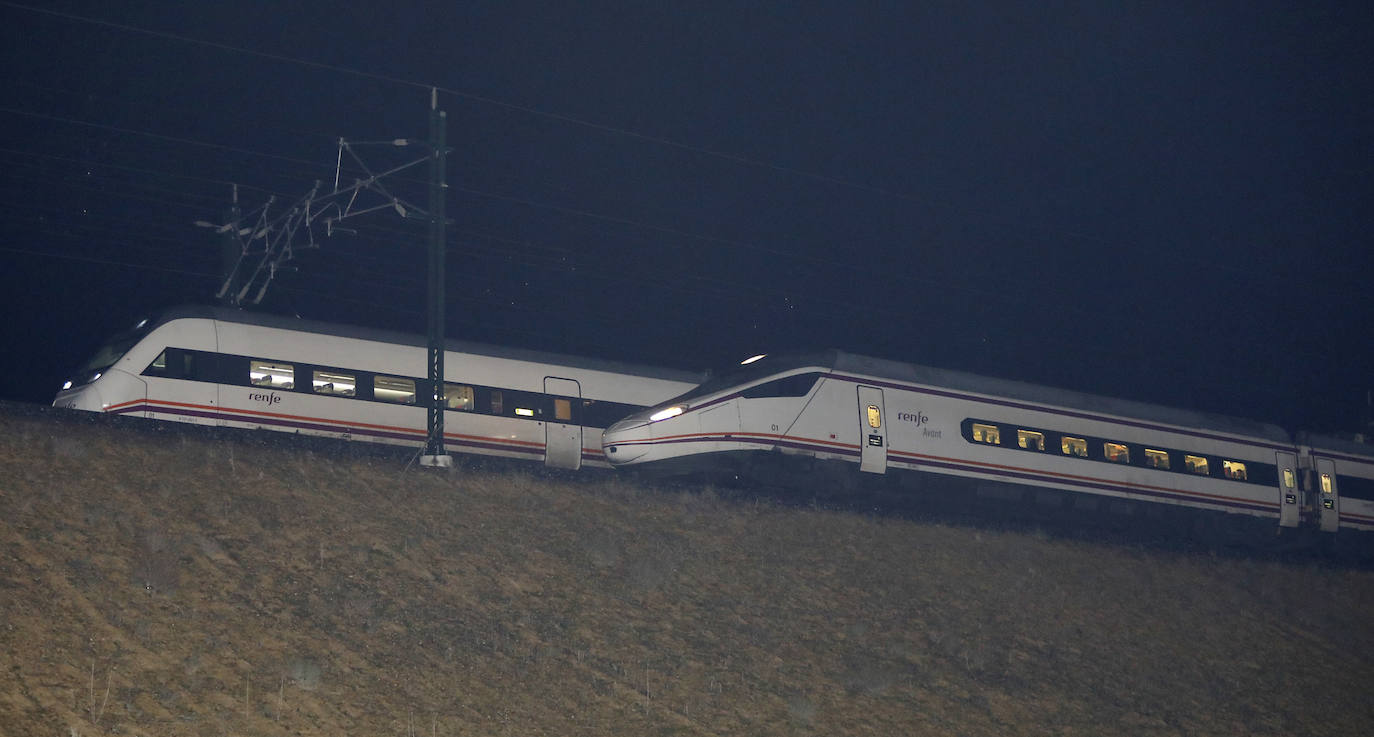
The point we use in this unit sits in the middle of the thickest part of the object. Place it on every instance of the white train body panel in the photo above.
(883, 416)
(173, 399)
(226, 367)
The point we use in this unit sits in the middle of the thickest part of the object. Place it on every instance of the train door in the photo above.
(719, 423)
(562, 433)
(1289, 508)
(1328, 495)
(118, 392)
(183, 384)
(872, 431)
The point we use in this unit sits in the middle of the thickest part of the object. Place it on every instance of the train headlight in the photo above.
(664, 414)
(66, 385)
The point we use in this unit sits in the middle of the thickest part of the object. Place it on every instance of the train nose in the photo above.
(85, 398)
(624, 442)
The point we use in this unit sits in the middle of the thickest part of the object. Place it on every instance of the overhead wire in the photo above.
(106, 262)
(699, 286)
(104, 184)
(141, 170)
(847, 265)
(148, 134)
(546, 206)
(464, 298)
(1000, 295)
(978, 217)
(715, 288)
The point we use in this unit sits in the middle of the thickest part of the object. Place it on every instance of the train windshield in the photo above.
(110, 353)
(753, 370)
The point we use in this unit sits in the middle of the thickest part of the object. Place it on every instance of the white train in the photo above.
(220, 366)
(882, 417)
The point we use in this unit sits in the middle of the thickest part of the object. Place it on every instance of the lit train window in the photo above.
(1326, 483)
(1030, 439)
(1195, 464)
(986, 434)
(1116, 452)
(1074, 446)
(1157, 459)
(272, 374)
(459, 397)
(562, 409)
(1233, 470)
(1289, 480)
(333, 382)
(875, 416)
(394, 389)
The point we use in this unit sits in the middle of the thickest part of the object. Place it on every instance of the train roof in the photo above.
(245, 317)
(1332, 442)
(840, 361)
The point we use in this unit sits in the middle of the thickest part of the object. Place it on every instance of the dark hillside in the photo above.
(172, 581)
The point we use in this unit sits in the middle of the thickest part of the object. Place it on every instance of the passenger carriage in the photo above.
(884, 417)
(222, 366)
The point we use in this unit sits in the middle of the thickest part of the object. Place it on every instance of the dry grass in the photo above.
(175, 583)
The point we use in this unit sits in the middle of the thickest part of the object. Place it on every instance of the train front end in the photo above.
(102, 383)
(647, 436)
(703, 429)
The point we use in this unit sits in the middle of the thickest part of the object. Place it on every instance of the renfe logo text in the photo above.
(915, 417)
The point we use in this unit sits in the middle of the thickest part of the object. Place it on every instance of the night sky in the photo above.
(1168, 202)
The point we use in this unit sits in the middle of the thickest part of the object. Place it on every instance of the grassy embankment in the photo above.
(165, 582)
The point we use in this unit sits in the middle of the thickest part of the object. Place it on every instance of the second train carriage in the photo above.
(221, 366)
(884, 416)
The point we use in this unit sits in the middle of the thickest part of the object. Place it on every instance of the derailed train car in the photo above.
(889, 418)
(222, 366)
